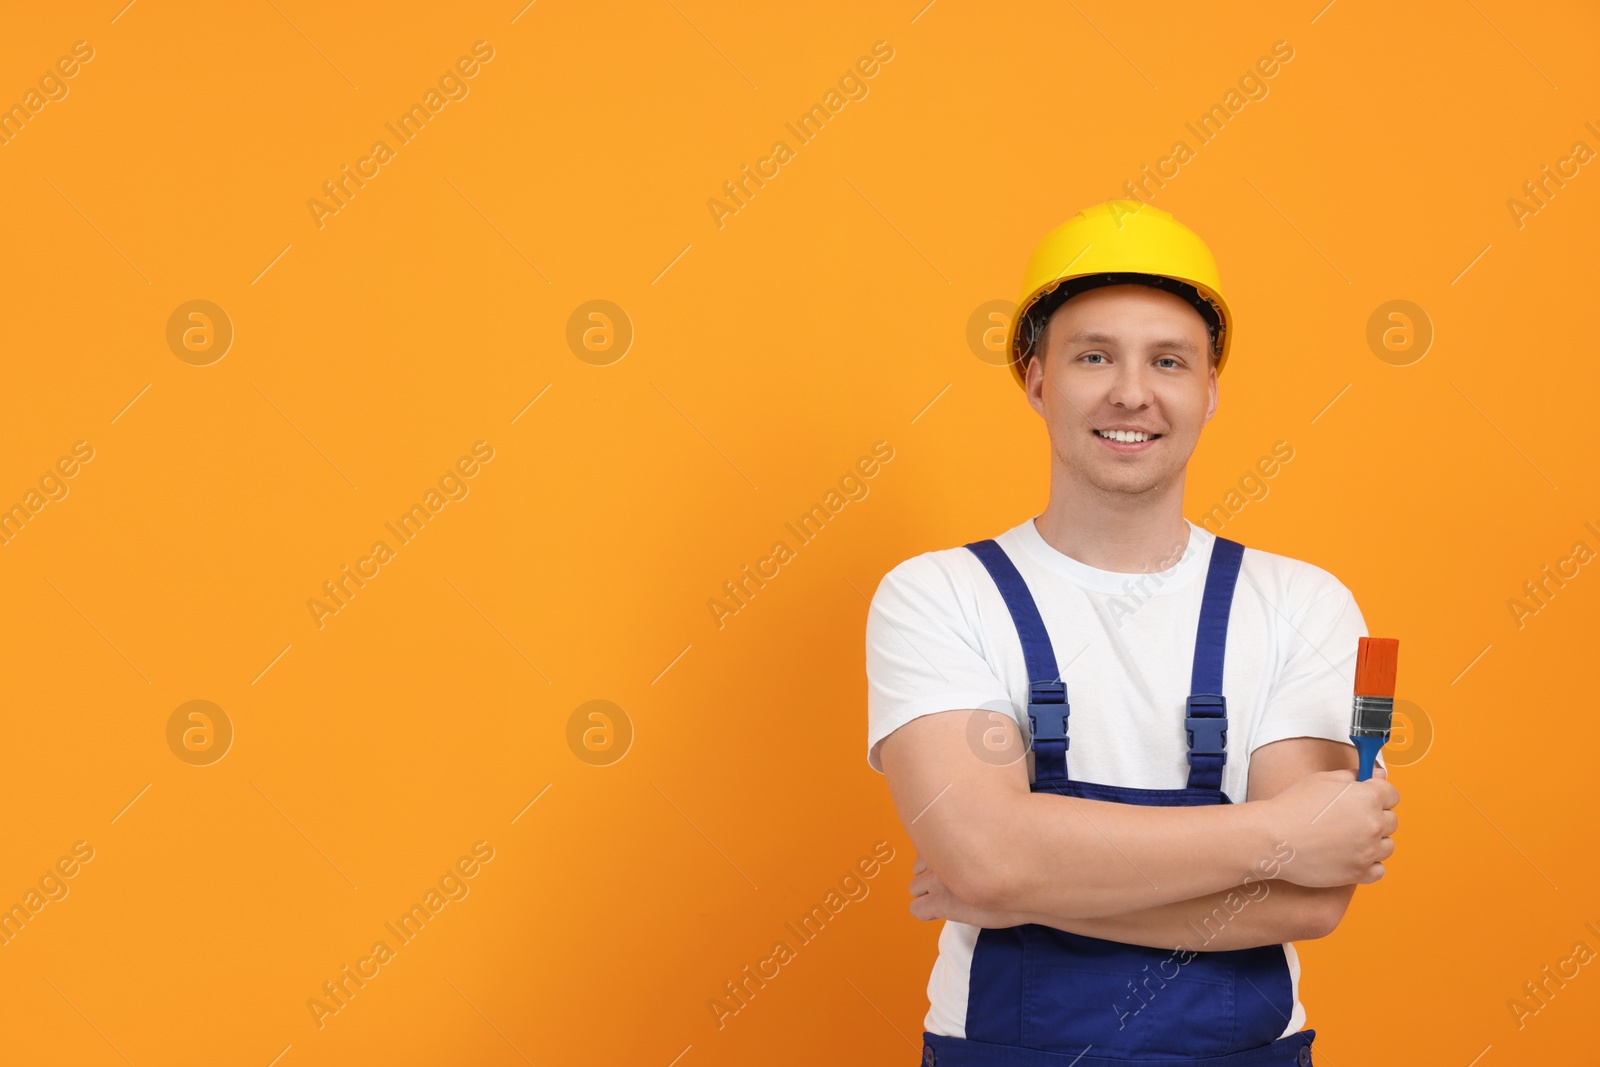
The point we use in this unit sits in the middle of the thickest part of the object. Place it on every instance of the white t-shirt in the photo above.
(940, 638)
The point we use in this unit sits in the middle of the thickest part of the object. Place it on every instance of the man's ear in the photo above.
(1211, 408)
(1033, 384)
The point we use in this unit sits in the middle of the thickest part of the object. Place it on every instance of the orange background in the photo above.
(830, 312)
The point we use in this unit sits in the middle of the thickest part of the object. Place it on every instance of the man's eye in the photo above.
(1088, 355)
(1169, 359)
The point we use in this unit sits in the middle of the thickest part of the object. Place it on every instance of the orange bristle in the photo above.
(1377, 660)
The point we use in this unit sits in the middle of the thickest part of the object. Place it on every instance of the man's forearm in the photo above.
(1246, 916)
(1077, 859)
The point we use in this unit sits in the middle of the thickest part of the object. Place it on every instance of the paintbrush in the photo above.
(1377, 659)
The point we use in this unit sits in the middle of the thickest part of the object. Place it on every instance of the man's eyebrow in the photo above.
(1094, 337)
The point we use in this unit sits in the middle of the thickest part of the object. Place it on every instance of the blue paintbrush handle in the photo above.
(1367, 749)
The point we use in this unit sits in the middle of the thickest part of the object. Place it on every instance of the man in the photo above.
(1119, 742)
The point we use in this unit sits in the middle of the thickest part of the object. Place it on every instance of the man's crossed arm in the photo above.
(1280, 867)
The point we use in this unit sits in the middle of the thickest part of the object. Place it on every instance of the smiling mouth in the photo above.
(1126, 437)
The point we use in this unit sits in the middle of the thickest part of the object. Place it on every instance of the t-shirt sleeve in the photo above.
(923, 653)
(1311, 696)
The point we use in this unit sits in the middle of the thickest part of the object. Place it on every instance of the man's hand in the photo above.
(1340, 828)
(931, 899)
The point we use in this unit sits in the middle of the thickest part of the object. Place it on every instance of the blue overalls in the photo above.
(1042, 997)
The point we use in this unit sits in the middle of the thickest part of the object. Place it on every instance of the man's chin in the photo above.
(1130, 482)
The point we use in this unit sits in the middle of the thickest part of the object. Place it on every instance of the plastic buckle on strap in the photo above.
(1208, 734)
(1047, 711)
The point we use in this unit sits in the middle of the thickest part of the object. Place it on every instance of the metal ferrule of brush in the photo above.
(1371, 716)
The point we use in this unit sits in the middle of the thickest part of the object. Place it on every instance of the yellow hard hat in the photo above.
(1117, 242)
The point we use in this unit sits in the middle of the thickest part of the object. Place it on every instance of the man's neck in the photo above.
(1116, 532)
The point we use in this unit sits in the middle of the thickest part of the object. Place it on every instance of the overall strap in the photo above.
(1047, 693)
(1206, 710)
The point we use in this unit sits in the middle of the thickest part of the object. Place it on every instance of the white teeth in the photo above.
(1125, 436)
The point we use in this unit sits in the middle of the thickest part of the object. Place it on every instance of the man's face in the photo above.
(1124, 356)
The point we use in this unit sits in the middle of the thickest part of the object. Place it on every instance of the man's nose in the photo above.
(1131, 388)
